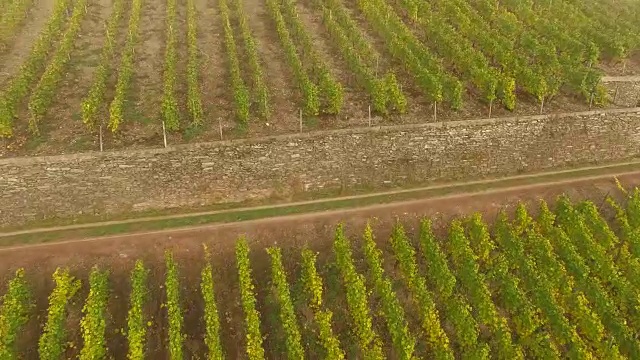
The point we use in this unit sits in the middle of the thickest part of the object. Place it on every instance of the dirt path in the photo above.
(10, 61)
(632, 178)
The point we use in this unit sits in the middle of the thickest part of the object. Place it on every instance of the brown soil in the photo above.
(181, 66)
(619, 68)
(142, 123)
(290, 233)
(62, 127)
(284, 95)
(64, 133)
(354, 95)
(14, 56)
(210, 42)
(419, 109)
(279, 75)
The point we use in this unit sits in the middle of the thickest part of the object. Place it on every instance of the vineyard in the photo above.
(561, 280)
(79, 75)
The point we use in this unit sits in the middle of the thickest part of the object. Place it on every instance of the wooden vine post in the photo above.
(164, 134)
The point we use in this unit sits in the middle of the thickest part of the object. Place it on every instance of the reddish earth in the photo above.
(291, 233)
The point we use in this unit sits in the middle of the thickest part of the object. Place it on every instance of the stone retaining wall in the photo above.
(234, 171)
(624, 91)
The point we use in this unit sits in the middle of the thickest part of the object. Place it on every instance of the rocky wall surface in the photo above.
(623, 91)
(281, 166)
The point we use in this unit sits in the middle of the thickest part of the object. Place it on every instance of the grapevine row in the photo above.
(581, 77)
(405, 254)
(457, 310)
(545, 256)
(255, 351)
(598, 226)
(527, 323)
(15, 306)
(287, 312)
(591, 28)
(259, 85)
(13, 16)
(94, 321)
(95, 98)
(52, 343)
(384, 91)
(602, 304)
(525, 316)
(609, 240)
(540, 73)
(194, 99)
(529, 76)
(436, 262)
(43, 94)
(136, 322)
(211, 316)
(403, 341)
(174, 308)
(330, 90)
(540, 291)
(555, 238)
(629, 236)
(633, 209)
(428, 73)
(616, 248)
(310, 92)
(578, 301)
(18, 87)
(479, 295)
(466, 60)
(125, 72)
(617, 18)
(467, 332)
(170, 111)
(357, 298)
(340, 15)
(313, 287)
(480, 240)
(240, 91)
(625, 295)
(568, 45)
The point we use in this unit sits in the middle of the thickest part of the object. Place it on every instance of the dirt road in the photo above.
(450, 187)
(321, 224)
